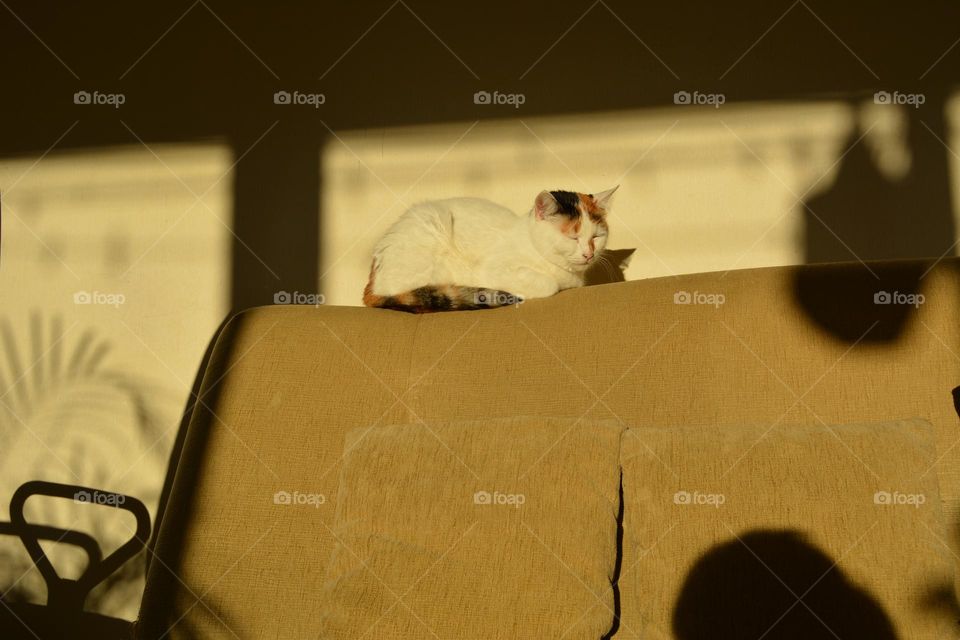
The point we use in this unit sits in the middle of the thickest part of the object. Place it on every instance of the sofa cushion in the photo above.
(782, 532)
(500, 529)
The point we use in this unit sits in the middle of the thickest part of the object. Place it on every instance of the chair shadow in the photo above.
(64, 614)
(776, 585)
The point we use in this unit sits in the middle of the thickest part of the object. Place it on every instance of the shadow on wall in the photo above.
(76, 611)
(68, 394)
(609, 268)
(774, 585)
(866, 216)
(64, 614)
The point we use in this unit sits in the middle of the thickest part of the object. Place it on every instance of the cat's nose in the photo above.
(588, 256)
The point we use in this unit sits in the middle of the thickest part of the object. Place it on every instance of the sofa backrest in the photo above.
(284, 383)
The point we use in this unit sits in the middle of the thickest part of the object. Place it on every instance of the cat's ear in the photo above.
(545, 205)
(603, 198)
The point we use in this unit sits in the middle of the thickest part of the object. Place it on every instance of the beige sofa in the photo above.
(801, 383)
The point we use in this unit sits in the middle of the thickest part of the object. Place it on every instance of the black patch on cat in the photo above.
(431, 298)
(567, 202)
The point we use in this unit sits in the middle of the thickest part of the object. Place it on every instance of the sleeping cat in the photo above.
(468, 253)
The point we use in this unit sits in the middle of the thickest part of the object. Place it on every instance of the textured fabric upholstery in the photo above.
(726, 529)
(793, 345)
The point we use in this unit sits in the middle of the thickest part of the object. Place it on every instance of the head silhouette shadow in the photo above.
(775, 585)
(865, 216)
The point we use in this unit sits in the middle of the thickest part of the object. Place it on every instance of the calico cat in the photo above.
(468, 253)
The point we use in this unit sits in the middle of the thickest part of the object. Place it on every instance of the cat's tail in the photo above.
(445, 297)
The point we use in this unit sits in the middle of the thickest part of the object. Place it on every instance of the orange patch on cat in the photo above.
(369, 297)
(569, 226)
(588, 204)
(407, 299)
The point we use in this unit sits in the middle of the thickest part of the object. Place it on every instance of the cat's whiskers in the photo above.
(607, 265)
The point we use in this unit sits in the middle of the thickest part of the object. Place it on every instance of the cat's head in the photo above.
(570, 228)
